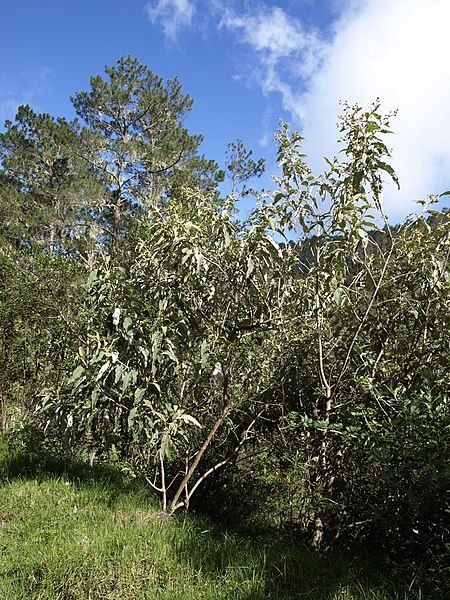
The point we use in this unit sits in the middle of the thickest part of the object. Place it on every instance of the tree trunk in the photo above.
(117, 216)
(174, 503)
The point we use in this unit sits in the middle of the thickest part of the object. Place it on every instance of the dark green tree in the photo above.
(48, 192)
(136, 140)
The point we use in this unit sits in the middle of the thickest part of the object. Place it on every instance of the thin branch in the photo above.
(244, 438)
(363, 320)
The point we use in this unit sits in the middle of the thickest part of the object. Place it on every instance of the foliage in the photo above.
(300, 354)
(174, 340)
(241, 167)
(46, 185)
(360, 365)
(40, 296)
(135, 140)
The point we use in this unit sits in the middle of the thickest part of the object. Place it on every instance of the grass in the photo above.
(91, 534)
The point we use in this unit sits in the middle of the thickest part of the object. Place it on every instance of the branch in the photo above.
(218, 422)
(244, 438)
(363, 320)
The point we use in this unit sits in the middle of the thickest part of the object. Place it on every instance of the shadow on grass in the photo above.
(269, 567)
(32, 460)
(282, 568)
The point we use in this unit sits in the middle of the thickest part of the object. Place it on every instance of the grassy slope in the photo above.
(70, 538)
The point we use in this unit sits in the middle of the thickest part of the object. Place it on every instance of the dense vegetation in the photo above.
(287, 371)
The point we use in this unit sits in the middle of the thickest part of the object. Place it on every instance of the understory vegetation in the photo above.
(285, 375)
(73, 532)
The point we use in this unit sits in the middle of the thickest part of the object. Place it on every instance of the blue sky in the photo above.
(246, 64)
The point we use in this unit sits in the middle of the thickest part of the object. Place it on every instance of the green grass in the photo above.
(98, 536)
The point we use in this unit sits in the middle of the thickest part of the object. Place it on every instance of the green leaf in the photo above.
(385, 167)
(132, 416)
(337, 296)
(190, 419)
(138, 395)
(118, 373)
(204, 354)
(226, 235)
(250, 267)
(167, 446)
(93, 275)
(78, 372)
(357, 179)
(103, 370)
(126, 380)
(199, 258)
(145, 353)
(127, 323)
(171, 354)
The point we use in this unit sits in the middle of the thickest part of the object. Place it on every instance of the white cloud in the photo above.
(397, 50)
(394, 49)
(284, 47)
(270, 31)
(173, 15)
